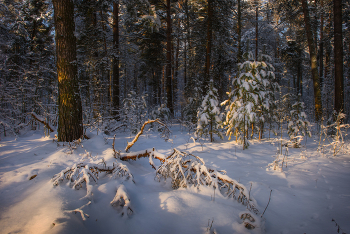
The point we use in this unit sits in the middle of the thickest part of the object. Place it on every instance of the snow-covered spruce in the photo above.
(251, 97)
(298, 124)
(134, 111)
(209, 116)
(186, 169)
(160, 112)
(192, 105)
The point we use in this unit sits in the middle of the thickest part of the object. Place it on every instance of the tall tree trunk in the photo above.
(313, 58)
(321, 46)
(239, 31)
(116, 59)
(338, 58)
(169, 60)
(256, 30)
(208, 49)
(70, 121)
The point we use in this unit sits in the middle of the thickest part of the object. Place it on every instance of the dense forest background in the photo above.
(145, 59)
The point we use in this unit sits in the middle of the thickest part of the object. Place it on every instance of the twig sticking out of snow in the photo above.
(166, 132)
(267, 204)
(122, 199)
(80, 210)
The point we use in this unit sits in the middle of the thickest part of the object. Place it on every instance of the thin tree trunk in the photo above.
(321, 46)
(209, 44)
(338, 58)
(169, 60)
(239, 30)
(70, 122)
(256, 31)
(313, 58)
(116, 59)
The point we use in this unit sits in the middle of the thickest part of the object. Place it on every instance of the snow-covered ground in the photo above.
(306, 196)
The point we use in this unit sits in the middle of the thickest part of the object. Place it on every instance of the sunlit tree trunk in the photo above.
(70, 123)
(313, 58)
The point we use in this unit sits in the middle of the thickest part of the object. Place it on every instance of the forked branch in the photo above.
(130, 144)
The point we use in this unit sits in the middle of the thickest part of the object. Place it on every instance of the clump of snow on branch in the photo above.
(121, 199)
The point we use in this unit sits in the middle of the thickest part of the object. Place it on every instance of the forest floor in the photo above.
(310, 195)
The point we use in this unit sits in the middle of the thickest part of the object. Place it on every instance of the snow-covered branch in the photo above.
(80, 210)
(122, 199)
(81, 173)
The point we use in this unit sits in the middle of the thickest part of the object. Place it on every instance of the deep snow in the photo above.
(311, 191)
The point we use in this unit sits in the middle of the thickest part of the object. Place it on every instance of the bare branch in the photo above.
(130, 144)
(41, 120)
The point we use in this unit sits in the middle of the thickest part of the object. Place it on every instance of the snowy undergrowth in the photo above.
(306, 195)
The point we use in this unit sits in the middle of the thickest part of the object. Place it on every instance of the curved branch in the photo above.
(130, 144)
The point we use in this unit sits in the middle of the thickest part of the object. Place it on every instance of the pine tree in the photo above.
(209, 116)
(249, 99)
(134, 112)
(70, 122)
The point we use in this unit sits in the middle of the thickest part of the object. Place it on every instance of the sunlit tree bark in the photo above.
(70, 125)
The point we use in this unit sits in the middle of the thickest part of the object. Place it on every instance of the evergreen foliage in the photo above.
(250, 100)
(208, 115)
(134, 112)
(298, 126)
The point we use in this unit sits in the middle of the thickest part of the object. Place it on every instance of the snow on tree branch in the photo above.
(186, 169)
(122, 199)
(81, 173)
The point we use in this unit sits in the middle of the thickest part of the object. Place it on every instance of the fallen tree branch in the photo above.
(41, 120)
(80, 210)
(130, 144)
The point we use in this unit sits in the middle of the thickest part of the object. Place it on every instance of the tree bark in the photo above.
(338, 58)
(70, 122)
(321, 46)
(116, 59)
(208, 49)
(256, 30)
(169, 60)
(313, 58)
(239, 31)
